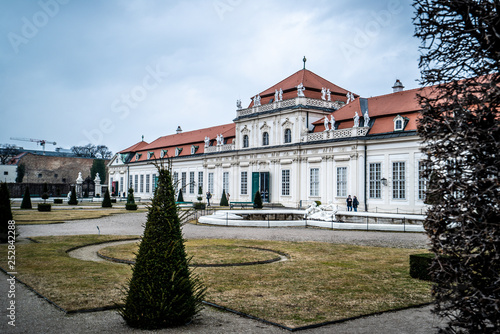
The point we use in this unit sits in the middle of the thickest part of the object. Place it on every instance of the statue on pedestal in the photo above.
(207, 141)
(238, 104)
(325, 122)
(323, 93)
(332, 122)
(366, 119)
(281, 94)
(276, 95)
(356, 119)
(328, 95)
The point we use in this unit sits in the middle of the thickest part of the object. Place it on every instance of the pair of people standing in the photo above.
(352, 203)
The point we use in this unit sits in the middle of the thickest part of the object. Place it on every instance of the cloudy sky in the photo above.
(107, 72)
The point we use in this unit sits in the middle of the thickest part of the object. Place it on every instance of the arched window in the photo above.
(288, 136)
(265, 138)
(245, 141)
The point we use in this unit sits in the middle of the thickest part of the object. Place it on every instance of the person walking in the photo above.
(349, 203)
(209, 196)
(355, 204)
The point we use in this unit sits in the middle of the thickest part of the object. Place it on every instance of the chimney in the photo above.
(398, 86)
(179, 130)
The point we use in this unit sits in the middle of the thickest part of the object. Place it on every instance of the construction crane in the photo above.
(41, 142)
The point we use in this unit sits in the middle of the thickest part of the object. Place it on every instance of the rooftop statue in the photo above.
(332, 122)
(323, 93)
(238, 104)
(328, 95)
(281, 94)
(325, 122)
(300, 90)
(356, 119)
(366, 118)
(207, 141)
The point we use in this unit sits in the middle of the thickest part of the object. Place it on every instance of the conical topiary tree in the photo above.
(72, 198)
(163, 291)
(26, 203)
(257, 200)
(223, 199)
(106, 201)
(5, 212)
(180, 197)
(130, 200)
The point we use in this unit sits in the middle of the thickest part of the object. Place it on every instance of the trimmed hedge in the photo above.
(44, 207)
(58, 201)
(199, 206)
(420, 266)
(131, 206)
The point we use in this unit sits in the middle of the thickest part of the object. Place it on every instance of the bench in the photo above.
(241, 204)
(184, 204)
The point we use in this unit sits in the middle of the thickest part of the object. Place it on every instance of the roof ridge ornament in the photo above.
(304, 60)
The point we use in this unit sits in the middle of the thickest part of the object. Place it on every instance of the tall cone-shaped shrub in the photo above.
(26, 203)
(223, 199)
(106, 202)
(72, 198)
(163, 291)
(257, 200)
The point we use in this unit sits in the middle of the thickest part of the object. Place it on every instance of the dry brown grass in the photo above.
(204, 252)
(29, 217)
(321, 282)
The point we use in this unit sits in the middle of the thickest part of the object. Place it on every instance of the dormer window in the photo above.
(137, 156)
(194, 149)
(178, 151)
(163, 153)
(150, 155)
(399, 123)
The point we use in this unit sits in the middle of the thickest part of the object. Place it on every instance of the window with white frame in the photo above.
(130, 182)
(191, 182)
(136, 183)
(265, 138)
(314, 182)
(398, 123)
(288, 136)
(341, 181)
(142, 183)
(176, 181)
(398, 180)
(285, 182)
(225, 181)
(244, 183)
(200, 181)
(245, 141)
(183, 182)
(422, 184)
(375, 179)
(148, 180)
(211, 182)
(121, 184)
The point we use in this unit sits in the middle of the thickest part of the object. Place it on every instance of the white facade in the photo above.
(277, 148)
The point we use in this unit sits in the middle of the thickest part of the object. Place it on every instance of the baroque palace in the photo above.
(304, 139)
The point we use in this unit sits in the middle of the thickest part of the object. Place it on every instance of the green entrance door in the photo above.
(260, 182)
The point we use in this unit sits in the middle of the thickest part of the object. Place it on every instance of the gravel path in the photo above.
(35, 315)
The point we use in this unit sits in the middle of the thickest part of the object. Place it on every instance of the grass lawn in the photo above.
(28, 217)
(321, 281)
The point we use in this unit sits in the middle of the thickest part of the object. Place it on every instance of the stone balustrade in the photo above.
(304, 101)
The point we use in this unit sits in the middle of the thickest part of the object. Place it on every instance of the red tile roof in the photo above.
(311, 81)
(184, 141)
(382, 109)
(135, 147)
